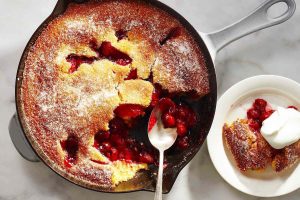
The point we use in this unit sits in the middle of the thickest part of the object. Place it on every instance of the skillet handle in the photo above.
(255, 21)
(20, 142)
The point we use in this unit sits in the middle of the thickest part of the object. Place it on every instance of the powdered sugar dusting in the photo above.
(56, 104)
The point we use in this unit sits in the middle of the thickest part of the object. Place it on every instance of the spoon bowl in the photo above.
(161, 138)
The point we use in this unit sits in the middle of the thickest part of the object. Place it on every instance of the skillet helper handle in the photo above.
(255, 21)
(20, 142)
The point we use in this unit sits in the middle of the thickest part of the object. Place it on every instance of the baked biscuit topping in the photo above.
(92, 69)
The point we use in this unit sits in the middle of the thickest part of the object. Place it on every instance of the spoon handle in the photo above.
(158, 191)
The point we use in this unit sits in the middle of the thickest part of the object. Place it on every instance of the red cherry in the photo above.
(183, 142)
(114, 154)
(260, 104)
(168, 120)
(105, 146)
(117, 140)
(128, 155)
(266, 115)
(132, 143)
(128, 111)
(255, 125)
(100, 137)
(155, 99)
(109, 52)
(253, 113)
(77, 60)
(183, 112)
(293, 107)
(172, 110)
(145, 157)
(181, 129)
(165, 104)
(132, 75)
(121, 155)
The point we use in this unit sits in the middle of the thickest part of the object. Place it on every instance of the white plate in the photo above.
(278, 91)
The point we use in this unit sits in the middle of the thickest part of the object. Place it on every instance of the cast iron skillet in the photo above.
(209, 43)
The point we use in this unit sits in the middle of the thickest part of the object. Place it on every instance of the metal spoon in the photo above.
(162, 139)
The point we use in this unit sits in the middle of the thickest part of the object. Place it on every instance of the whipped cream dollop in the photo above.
(282, 128)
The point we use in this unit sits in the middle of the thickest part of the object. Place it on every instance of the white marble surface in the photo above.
(272, 51)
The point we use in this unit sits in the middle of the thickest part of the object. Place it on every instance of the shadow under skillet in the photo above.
(49, 184)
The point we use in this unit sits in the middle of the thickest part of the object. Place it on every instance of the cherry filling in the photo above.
(116, 144)
(71, 146)
(129, 111)
(109, 52)
(157, 93)
(132, 75)
(178, 116)
(259, 112)
(173, 33)
(77, 60)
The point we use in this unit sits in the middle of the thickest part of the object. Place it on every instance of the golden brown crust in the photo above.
(56, 103)
(177, 70)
